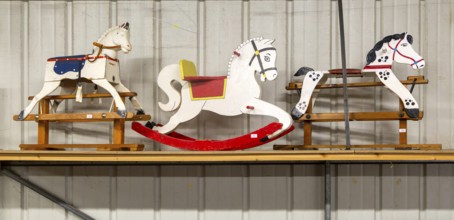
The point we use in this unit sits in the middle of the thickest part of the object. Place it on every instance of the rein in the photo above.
(101, 47)
(396, 50)
(257, 54)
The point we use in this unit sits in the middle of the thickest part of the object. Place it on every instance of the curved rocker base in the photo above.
(178, 140)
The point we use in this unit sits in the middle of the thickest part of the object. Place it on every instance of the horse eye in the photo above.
(267, 58)
(404, 44)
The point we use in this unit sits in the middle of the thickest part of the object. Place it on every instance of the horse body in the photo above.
(101, 67)
(242, 90)
(393, 48)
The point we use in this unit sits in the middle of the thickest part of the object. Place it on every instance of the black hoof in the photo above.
(140, 112)
(412, 113)
(122, 113)
(265, 139)
(296, 114)
(21, 115)
(150, 124)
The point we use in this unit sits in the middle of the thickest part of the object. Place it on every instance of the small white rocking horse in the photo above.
(392, 48)
(102, 68)
(234, 94)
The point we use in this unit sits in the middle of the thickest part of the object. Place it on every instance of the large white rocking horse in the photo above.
(234, 94)
(102, 68)
(392, 48)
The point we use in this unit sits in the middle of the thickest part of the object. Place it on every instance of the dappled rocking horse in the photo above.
(102, 68)
(397, 47)
(231, 95)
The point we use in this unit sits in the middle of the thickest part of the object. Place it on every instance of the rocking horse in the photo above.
(102, 69)
(231, 95)
(392, 48)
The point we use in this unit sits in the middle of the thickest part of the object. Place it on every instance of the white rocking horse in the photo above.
(102, 69)
(392, 48)
(231, 95)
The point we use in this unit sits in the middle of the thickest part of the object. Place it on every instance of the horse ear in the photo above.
(125, 26)
(270, 41)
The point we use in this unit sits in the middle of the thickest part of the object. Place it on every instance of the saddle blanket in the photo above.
(207, 87)
(68, 63)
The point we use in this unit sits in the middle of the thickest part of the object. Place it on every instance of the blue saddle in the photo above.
(68, 63)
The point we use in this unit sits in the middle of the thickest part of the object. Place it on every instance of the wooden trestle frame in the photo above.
(44, 117)
(309, 117)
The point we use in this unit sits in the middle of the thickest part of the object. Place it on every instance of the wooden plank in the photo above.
(84, 117)
(358, 116)
(396, 146)
(235, 156)
(133, 147)
(409, 81)
(89, 95)
(118, 136)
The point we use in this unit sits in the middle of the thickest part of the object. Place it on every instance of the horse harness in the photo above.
(101, 47)
(396, 50)
(257, 54)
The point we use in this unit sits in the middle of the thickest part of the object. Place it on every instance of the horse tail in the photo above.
(165, 78)
(303, 71)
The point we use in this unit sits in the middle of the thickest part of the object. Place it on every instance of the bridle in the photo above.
(407, 57)
(257, 54)
(101, 47)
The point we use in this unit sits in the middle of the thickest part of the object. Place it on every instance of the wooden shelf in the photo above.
(358, 116)
(84, 117)
(176, 157)
(96, 95)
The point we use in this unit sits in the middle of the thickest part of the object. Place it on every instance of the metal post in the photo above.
(327, 191)
(11, 174)
(344, 75)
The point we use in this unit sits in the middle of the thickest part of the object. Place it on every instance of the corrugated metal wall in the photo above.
(306, 34)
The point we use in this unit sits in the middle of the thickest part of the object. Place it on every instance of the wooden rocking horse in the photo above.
(393, 48)
(102, 68)
(231, 95)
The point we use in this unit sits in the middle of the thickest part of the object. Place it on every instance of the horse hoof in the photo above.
(296, 114)
(150, 124)
(265, 139)
(21, 116)
(122, 113)
(412, 113)
(140, 112)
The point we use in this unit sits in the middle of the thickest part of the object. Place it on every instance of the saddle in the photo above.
(202, 87)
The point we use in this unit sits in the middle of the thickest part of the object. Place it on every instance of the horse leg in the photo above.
(310, 81)
(107, 86)
(264, 108)
(135, 103)
(66, 88)
(187, 111)
(48, 87)
(390, 80)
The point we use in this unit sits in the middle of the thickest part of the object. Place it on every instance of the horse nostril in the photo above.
(274, 75)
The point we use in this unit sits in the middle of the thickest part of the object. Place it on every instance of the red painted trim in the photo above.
(82, 58)
(203, 78)
(377, 67)
(236, 53)
(242, 142)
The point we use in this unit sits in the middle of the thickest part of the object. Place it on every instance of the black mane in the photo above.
(371, 55)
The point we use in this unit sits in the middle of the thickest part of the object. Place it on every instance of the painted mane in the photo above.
(371, 56)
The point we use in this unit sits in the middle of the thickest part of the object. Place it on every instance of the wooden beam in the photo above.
(89, 95)
(358, 116)
(370, 146)
(409, 81)
(84, 117)
(132, 147)
(176, 157)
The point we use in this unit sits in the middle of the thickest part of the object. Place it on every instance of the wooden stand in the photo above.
(45, 117)
(400, 116)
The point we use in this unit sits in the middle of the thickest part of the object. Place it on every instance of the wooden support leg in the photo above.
(119, 129)
(43, 126)
(402, 126)
(308, 126)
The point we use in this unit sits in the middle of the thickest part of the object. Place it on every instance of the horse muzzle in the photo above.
(126, 49)
(419, 64)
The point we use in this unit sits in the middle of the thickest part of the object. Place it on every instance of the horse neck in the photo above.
(239, 68)
(107, 41)
(381, 61)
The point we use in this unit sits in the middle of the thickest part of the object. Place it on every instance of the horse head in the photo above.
(261, 57)
(116, 38)
(398, 48)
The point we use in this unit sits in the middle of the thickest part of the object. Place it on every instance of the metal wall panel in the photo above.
(162, 32)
